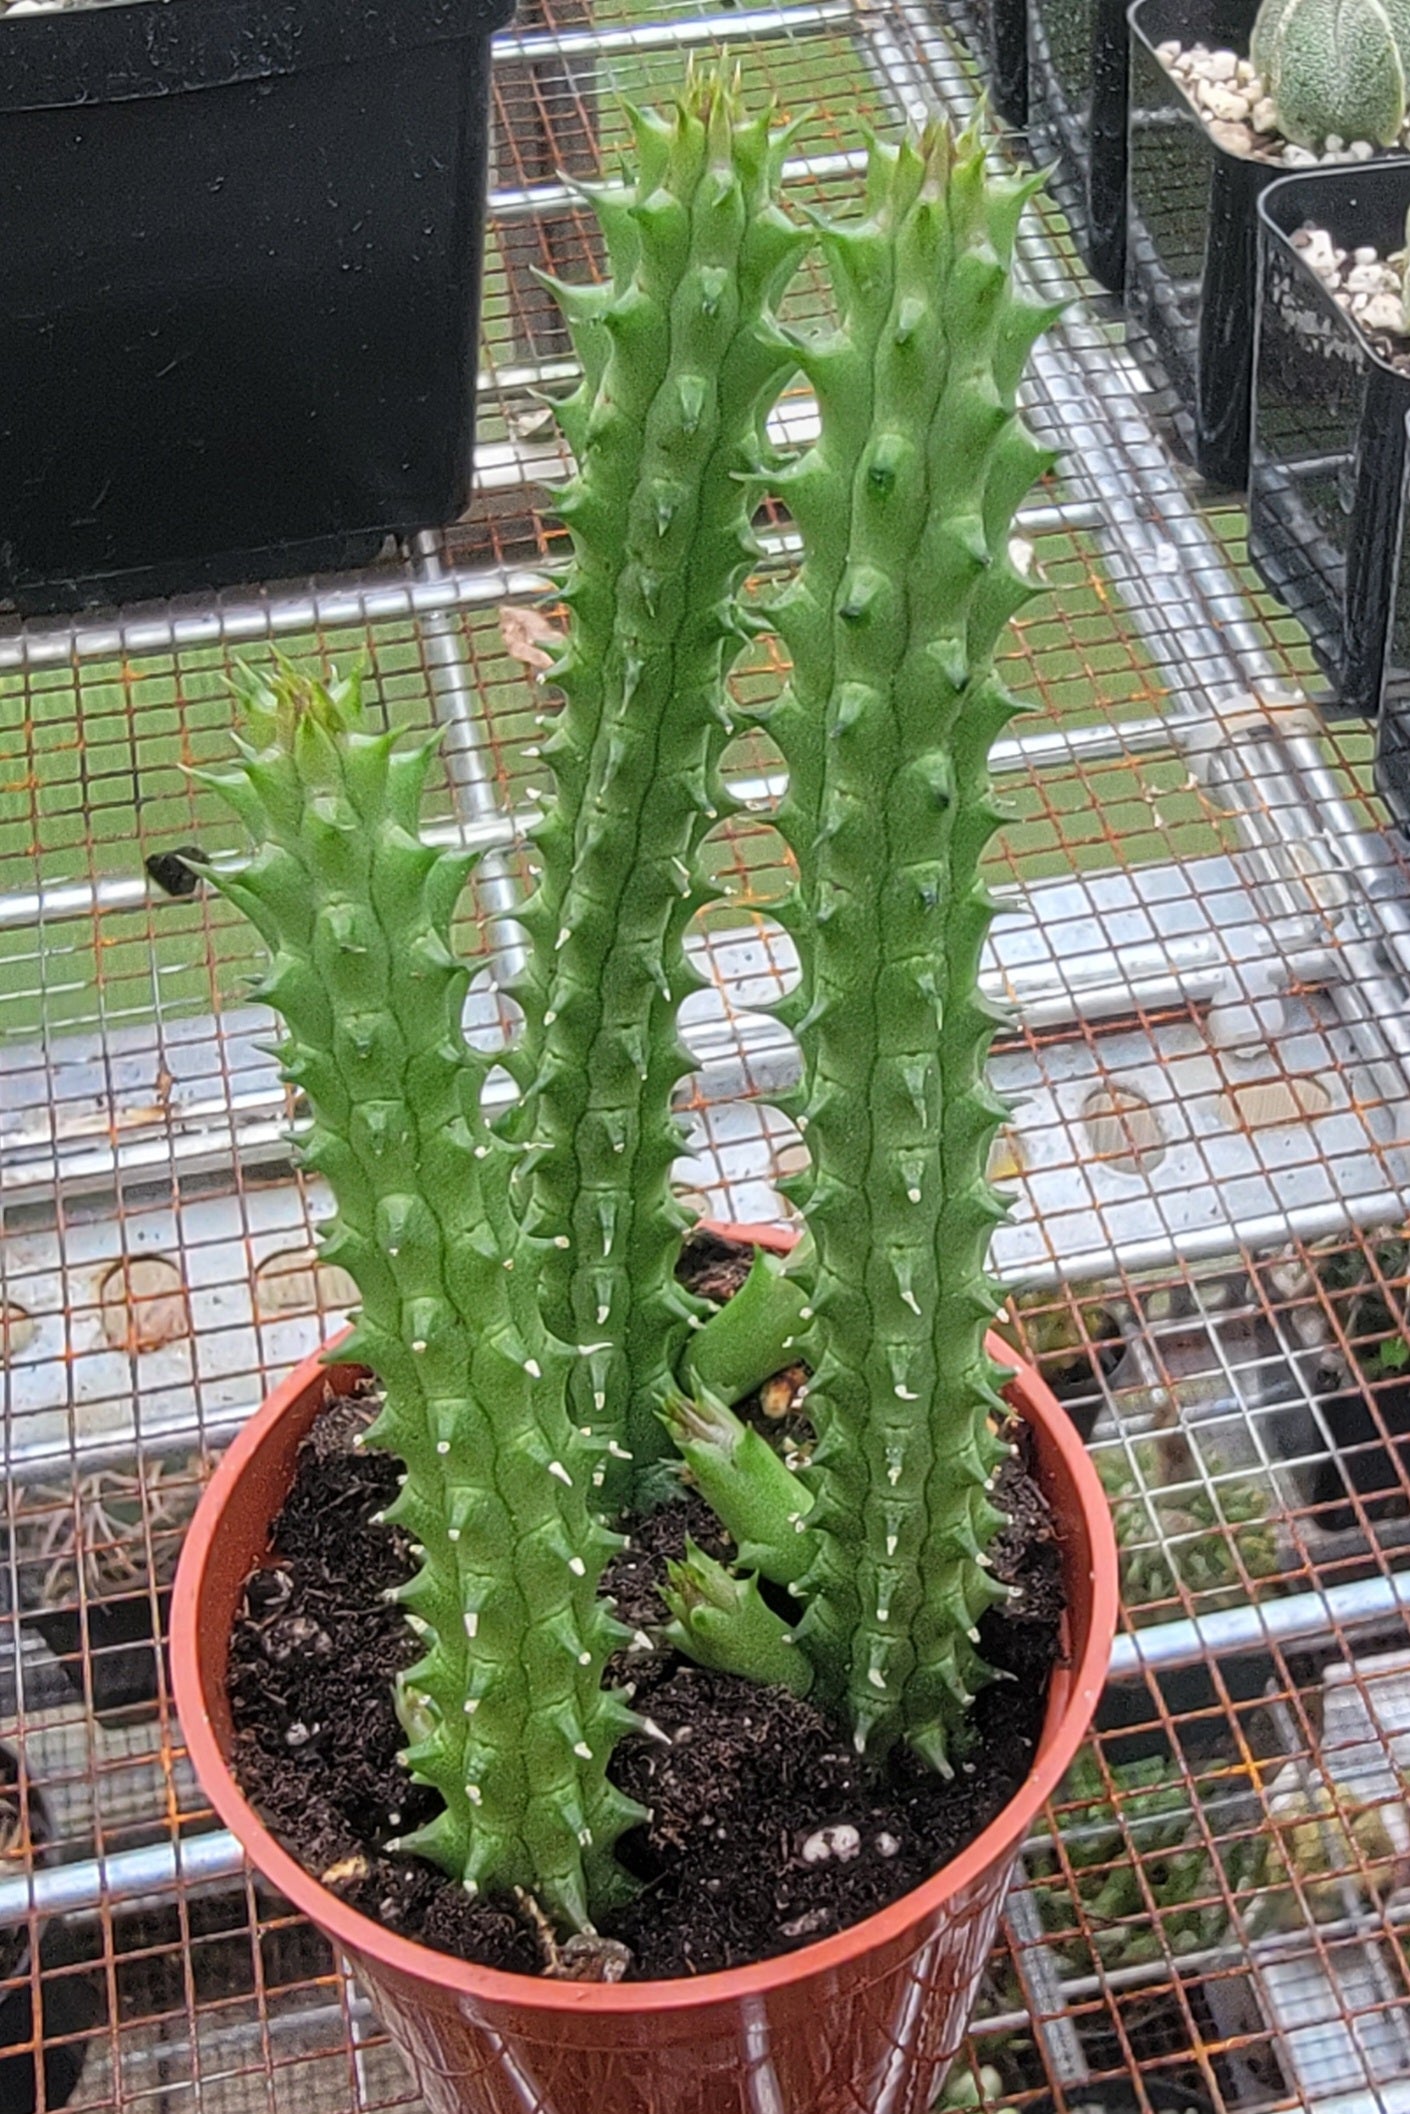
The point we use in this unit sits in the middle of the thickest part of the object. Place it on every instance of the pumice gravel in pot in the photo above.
(1332, 394)
(542, 1376)
(242, 248)
(1225, 99)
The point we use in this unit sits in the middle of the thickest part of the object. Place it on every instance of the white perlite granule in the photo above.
(1229, 96)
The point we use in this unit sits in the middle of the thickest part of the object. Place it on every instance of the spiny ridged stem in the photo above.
(505, 1710)
(904, 506)
(681, 366)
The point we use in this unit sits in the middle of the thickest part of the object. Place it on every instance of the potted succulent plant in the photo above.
(1146, 1838)
(242, 285)
(1231, 97)
(1182, 1533)
(540, 1371)
(1331, 397)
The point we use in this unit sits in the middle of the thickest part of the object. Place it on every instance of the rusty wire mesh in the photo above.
(1209, 1249)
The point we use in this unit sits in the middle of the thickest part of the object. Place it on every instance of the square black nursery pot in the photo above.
(1077, 86)
(1192, 240)
(1131, 1714)
(1352, 1458)
(44, 2037)
(1327, 481)
(242, 244)
(118, 1642)
(998, 32)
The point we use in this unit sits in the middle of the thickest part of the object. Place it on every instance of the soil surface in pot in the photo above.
(767, 1831)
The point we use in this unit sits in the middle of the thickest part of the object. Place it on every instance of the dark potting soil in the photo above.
(767, 1830)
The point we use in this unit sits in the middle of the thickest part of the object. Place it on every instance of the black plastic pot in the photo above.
(1327, 480)
(1192, 240)
(1113, 2095)
(123, 1652)
(1129, 1714)
(1077, 83)
(68, 2005)
(1076, 1376)
(242, 244)
(998, 30)
(1365, 1453)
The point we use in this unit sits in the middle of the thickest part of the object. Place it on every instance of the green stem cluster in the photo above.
(519, 1301)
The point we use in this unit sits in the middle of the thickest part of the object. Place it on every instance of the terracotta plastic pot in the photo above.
(862, 2023)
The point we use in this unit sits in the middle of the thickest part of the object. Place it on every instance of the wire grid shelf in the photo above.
(1206, 946)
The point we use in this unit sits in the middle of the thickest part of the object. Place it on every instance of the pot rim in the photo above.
(356, 1933)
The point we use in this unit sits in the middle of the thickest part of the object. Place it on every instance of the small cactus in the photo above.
(1156, 1866)
(1334, 68)
(1204, 1541)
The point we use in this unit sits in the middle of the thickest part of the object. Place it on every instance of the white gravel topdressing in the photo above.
(1230, 98)
(1362, 282)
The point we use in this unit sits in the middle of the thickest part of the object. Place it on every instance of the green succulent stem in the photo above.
(756, 1498)
(681, 365)
(756, 1333)
(905, 506)
(505, 1710)
(723, 1621)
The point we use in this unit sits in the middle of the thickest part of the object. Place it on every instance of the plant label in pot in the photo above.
(1332, 394)
(1208, 134)
(243, 249)
(542, 1378)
